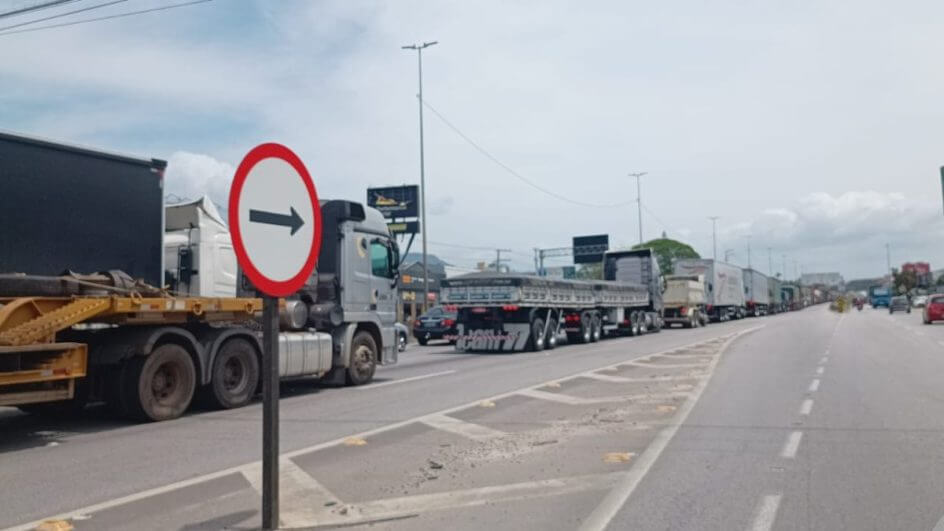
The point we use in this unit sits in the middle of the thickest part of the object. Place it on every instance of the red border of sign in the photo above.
(264, 284)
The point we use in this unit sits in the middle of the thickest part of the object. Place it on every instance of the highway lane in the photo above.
(825, 422)
(58, 466)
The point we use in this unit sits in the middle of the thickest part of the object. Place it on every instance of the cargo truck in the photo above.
(774, 286)
(147, 350)
(724, 286)
(756, 294)
(515, 312)
(684, 300)
(880, 296)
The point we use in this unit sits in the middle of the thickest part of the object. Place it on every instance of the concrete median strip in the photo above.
(460, 427)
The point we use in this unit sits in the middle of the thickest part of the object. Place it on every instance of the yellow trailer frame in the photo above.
(35, 368)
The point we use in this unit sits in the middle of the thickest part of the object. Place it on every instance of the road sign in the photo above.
(275, 220)
(590, 249)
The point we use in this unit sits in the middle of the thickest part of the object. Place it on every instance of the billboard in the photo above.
(590, 249)
(395, 201)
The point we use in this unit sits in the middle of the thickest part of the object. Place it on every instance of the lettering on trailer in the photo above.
(515, 337)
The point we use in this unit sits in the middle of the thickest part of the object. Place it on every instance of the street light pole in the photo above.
(639, 200)
(423, 221)
(714, 237)
(770, 262)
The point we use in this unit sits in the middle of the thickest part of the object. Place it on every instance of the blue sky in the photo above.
(813, 127)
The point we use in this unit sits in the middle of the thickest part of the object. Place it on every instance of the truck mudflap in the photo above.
(513, 337)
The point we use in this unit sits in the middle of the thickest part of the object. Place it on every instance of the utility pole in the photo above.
(770, 262)
(639, 200)
(423, 221)
(714, 237)
(888, 258)
(726, 253)
(498, 253)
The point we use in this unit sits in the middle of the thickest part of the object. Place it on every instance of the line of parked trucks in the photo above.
(107, 295)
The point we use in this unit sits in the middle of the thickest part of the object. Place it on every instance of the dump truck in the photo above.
(147, 350)
(515, 312)
(684, 301)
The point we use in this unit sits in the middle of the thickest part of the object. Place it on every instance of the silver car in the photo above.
(899, 303)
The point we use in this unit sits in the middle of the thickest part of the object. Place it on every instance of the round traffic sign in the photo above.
(275, 219)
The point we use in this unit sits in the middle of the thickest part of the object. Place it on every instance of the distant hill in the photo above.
(431, 259)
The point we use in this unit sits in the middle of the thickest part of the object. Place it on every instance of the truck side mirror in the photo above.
(393, 261)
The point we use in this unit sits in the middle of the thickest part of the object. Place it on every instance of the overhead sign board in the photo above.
(275, 220)
(395, 201)
(590, 249)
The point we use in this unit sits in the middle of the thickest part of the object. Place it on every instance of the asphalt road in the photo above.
(807, 420)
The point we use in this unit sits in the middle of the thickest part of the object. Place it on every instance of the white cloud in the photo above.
(192, 175)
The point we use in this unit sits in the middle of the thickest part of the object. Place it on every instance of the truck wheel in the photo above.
(363, 359)
(159, 386)
(596, 329)
(586, 328)
(634, 324)
(234, 375)
(537, 334)
(551, 340)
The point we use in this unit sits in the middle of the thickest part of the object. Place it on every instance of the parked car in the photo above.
(403, 333)
(919, 301)
(437, 323)
(934, 309)
(899, 303)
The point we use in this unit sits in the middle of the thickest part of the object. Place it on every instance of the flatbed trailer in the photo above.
(513, 312)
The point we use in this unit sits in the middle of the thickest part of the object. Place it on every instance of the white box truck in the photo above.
(724, 286)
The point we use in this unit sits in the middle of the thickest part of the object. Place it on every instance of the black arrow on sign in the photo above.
(292, 220)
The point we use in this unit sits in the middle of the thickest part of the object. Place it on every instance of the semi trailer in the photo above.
(756, 293)
(515, 312)
(146, 349)
(684, 300)
(724, 285)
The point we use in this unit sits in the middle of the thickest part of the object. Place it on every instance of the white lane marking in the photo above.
(606, 377)
(471, 430)
(823, 360)
(820, 370)
(792, 445)
(645, 379)
(814, 386)
(666, 365)
(918, 332)
(403, 380)
(604, 513)
(826, 353)
(806, 406)
(571, 400)
(300, 494)
(766, 513)
(334, 442)
(372, 511)
(941, 343)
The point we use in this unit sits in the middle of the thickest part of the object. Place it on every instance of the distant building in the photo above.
(832, 280)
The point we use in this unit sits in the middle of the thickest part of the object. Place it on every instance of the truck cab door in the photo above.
(384, 259)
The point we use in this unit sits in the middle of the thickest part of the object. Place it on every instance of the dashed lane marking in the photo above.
(766, 513)
(814, 386)
(820, 370)
(823, 360)
(460, 427)
(792, 445)
(806, 407)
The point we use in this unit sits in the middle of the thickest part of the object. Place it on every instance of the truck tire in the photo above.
(536, 342)
(596, 329)
(234, 376)
(363, 359)
(551, 340)
(634, 323)
(586, 328)
(159, 386)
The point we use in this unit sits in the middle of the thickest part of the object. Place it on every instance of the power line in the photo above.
(59, 15)
(119, 15)
(511, 171)
(34, 7)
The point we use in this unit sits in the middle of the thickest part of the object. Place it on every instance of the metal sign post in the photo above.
(270, 413)
(275, 221)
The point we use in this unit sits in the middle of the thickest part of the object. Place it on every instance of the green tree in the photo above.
(905, 281)
(667, 251)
